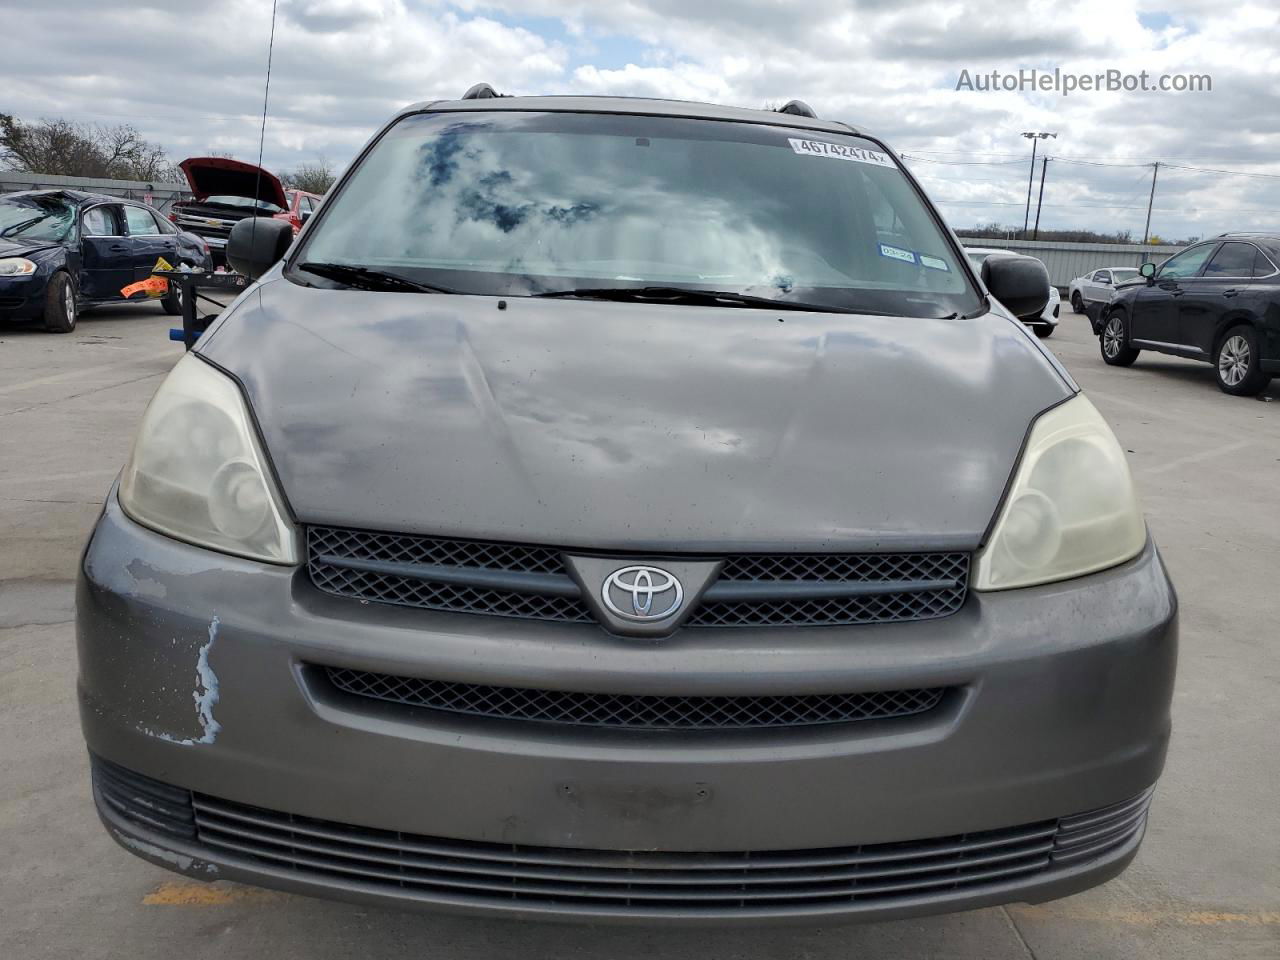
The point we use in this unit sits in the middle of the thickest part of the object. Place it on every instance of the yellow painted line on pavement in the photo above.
(1148, 917)
(190, 893)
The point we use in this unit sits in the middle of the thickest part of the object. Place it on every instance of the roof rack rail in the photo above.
(481, 91)
(797, 108)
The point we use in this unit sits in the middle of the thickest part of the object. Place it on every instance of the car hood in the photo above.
(640, 427)
(17, 247)
(218, 176)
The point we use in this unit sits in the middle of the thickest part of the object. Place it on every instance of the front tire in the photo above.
(1077, 302)
(60, 311)
(1044, 331)
(1114, 341)
(1239, 364)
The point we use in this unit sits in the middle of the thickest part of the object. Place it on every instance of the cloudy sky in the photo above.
(189, 75)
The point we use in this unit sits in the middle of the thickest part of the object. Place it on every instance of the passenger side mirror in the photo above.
(1020, 283)
(1148, 270)
(257, 244)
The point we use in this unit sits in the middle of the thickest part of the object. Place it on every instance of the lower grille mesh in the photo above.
(623, 882)
(143, 801)
(642, 712)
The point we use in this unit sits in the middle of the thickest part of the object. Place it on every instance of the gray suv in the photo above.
(626, 510)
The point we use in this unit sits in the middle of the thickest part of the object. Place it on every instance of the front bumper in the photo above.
(1061, 709)
(23, 299)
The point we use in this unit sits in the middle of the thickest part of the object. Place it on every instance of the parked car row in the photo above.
(63, 251)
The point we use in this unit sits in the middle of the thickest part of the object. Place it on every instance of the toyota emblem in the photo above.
(642, 594)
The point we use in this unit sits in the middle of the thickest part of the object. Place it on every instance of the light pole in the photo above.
(1035, 137)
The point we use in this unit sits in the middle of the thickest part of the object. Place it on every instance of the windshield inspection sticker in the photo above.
(933, 263)
(817, 148)
(897, 253)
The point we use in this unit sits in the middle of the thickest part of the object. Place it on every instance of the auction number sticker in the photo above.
(840, 151)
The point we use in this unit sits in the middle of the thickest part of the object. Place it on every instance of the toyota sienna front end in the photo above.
(631, 510)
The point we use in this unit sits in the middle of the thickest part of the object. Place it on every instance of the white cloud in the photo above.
(191, 77)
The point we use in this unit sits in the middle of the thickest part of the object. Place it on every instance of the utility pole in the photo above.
(1034, 136)
(1146, 231)
(1044, 168)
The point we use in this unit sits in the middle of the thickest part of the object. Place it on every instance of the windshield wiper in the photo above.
(366, 278)
(710, 298)
(17, 227)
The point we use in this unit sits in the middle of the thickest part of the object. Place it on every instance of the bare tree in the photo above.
(61, 147)
(316, 177)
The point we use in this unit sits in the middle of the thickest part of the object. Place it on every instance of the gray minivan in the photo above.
(624, 509)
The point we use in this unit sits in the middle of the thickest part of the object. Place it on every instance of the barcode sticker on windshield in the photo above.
(839, 151)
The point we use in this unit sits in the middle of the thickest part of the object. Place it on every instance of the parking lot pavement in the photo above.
(1205, 885)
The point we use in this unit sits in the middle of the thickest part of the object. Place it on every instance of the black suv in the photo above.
(1217, 301)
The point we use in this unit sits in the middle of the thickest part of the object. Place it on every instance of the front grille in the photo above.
(533, 583)
(368, 573)
(630, 711)
(950, 570)
(732, 884)
(200, 225)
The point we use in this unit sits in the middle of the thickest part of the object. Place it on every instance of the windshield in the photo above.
(46, 218)
(1120, 276)
(523, 203)
(230, 201)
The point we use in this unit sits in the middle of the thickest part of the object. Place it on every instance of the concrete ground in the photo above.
(1205, 885)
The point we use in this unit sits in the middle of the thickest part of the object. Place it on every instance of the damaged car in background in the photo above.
(225, 191)
(64, 251)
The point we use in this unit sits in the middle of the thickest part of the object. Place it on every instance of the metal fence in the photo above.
(159, 195)
(1066, 261)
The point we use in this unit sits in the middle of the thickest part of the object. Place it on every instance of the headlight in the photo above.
(197, 472)
(15, 268)
(1071, 509)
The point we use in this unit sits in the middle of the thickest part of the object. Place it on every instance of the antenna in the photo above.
(262, 134)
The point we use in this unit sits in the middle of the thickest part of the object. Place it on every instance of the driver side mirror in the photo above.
(1020, 283)
(257, 244)
(1148, 270)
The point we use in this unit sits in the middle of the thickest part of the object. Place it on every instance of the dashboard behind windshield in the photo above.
(516, 203)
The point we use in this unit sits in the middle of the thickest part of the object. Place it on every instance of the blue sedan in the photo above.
(62, 251)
